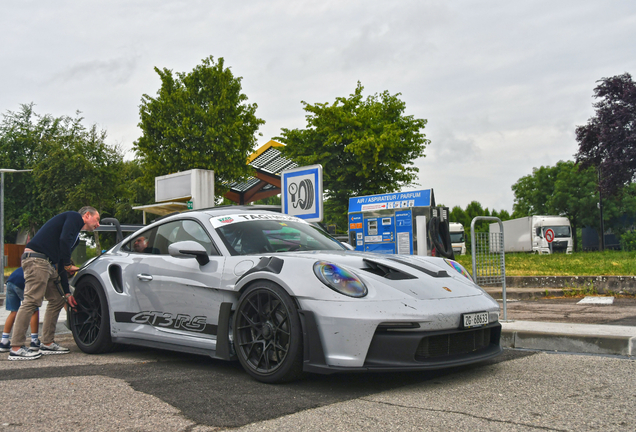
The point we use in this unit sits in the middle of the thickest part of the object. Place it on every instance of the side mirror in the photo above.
(539, 232)
(189, 248)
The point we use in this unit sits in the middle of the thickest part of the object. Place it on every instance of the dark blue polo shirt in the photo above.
(57, 239)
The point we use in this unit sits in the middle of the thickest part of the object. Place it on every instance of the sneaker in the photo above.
(5, 347)
(54, 348)
(35, 346)
(24, 353)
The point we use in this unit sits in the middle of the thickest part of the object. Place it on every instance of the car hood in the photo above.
(396, 276)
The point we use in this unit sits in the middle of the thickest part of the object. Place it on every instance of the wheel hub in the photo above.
(268, 331)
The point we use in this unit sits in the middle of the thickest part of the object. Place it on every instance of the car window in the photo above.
(142, 243)
(157, 240)
(191, 230)
(263, 236)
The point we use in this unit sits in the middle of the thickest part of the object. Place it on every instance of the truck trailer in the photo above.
(528, 234)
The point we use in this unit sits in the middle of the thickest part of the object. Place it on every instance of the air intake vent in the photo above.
(450, 344)
(386, 271)
(114, 271)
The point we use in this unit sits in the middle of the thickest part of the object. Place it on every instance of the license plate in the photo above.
(475, 319)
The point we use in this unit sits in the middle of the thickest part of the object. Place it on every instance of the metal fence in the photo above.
(488, 257)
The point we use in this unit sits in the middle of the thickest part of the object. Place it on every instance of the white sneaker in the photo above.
(24, 353)
(54, 348)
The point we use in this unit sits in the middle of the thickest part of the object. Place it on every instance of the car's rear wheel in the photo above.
(90, 321)
(267, 333)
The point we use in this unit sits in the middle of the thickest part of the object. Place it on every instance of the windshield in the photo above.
(559, 231)
(457, 237)
(265, 236)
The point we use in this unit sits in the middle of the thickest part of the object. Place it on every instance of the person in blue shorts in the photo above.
(14, 297)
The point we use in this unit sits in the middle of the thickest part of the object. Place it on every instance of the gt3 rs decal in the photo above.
(184, 322)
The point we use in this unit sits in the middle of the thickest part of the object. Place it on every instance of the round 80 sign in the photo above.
(549, 235)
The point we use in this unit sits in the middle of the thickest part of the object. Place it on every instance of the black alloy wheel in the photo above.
(90, 321)
(267, 333)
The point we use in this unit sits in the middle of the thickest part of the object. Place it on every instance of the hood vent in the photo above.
(437, 274)
(385, 271)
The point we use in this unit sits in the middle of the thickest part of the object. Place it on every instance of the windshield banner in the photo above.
(220, 221)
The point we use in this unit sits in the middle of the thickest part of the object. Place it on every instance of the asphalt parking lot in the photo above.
(206, 391)
(154, 390)
(144, 389)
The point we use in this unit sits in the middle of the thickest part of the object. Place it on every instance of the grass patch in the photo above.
(607, 263)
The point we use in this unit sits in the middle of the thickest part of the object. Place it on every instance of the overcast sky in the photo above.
(502, 84)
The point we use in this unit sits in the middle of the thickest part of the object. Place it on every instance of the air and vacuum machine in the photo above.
(406, 223)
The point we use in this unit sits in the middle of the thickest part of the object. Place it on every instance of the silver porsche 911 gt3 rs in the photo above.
(282, 297)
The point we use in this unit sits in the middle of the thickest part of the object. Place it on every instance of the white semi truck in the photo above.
(528, 234)
(458, 239)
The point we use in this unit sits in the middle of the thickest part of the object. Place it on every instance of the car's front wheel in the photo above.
(90, 321)
(267, 333)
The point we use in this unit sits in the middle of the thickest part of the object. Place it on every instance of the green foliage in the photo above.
(366, 147)
(72, 167)
(135, 193)
(567, 189)
(628, 241)
(608, 140)
(20, 135)
(273, 200)
(198, 120)
(79, 169)
(466, 216)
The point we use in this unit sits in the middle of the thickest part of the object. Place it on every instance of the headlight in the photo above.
(459, 268)
(339, 279)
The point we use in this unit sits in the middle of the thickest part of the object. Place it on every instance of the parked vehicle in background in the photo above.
(458, 239)
(527, 234)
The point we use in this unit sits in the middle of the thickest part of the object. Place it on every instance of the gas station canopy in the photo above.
(268, 162)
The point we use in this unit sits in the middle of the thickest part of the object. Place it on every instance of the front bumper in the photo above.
(406, 350)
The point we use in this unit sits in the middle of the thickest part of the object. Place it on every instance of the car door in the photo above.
(178, 299)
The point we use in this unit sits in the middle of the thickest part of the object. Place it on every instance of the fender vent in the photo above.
(385, 271)
(114, 272)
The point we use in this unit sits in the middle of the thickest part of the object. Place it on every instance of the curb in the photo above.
(524, 293)
(572, 338)
(602, 284)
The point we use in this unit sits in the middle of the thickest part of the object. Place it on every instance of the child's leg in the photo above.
(8, 324)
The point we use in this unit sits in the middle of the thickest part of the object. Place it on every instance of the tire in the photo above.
(90, 322)
(267, 334)
(309, 194)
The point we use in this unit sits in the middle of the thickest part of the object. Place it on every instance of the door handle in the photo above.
(144, 277)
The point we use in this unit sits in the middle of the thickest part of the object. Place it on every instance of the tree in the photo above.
(198, 120)
(474, 209)
(575, 196)
(72, 167)
(79, 169)
(135, 193)
(533, 191)
(608, 140)
(20, 135)
(366, 146)
(568, 190)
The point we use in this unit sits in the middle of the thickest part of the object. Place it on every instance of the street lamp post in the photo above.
(2, 171)
(600, 207)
